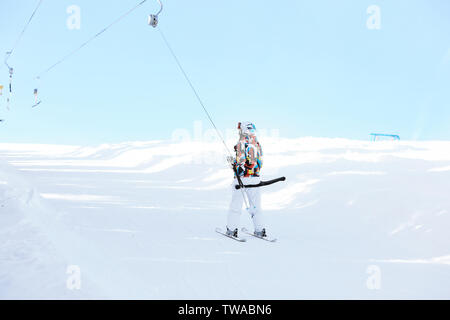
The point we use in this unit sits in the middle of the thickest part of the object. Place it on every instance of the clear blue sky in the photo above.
(307, 68)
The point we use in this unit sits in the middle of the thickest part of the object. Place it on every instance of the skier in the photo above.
(247, 166)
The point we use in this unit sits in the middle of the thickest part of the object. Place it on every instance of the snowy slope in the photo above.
(138, 219)
(30, 264)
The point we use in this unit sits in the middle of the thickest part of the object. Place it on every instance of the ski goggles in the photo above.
(249, 127)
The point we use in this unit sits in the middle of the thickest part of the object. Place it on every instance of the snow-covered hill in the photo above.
(354, 219)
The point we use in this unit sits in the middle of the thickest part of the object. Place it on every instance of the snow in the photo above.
(138, 219)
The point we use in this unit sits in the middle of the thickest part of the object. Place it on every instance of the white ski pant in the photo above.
(254, 200)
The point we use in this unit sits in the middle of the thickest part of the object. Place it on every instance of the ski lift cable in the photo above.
(160, 9)
(153, 21)
(90, 39)
(247, 199)
(10, 52)
(193, 88)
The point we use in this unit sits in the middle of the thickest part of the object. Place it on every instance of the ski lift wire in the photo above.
(247, 199)
(160, 9)
(90, 39)
(10, 52)
(193, 88)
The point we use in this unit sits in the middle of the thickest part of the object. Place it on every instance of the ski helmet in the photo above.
(247, 128)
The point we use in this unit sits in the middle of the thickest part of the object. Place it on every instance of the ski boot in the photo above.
(233, 233)
(260, 234)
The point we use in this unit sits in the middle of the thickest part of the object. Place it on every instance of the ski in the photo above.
(218, 230)
(262, 238)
